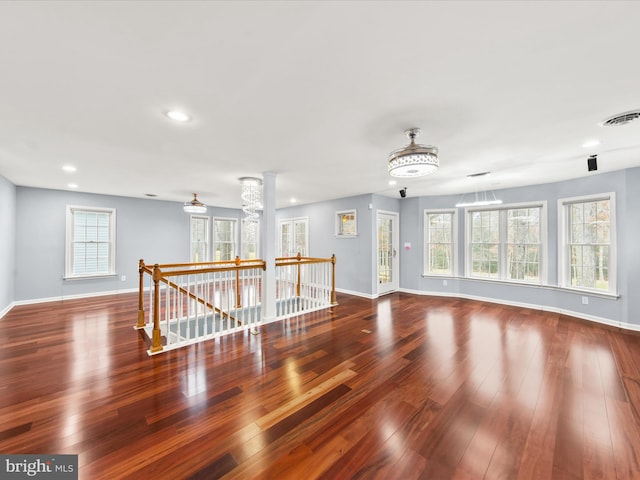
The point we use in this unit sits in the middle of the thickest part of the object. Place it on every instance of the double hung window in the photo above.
(199, 238)
(440, 244)
(90, 242)
(507, 243)
(587, 239)
(224, 238)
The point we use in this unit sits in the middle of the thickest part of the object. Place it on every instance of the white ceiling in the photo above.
(317, 92)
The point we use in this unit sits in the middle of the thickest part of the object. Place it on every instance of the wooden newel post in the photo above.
(334, 301)
(298, 284)
(156, 341)
(238, 304)
(141, 321)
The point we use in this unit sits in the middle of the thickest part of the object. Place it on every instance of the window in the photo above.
(440, 236)
(293, 238)
(507, 243)
(523, 244)
(90, 242)
(199, 239)
(485, 243)
(224, 239)
(346, 224)
(587, 237)
(250, 239)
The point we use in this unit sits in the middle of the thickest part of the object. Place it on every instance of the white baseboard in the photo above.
(356, 294)
(543, 308)
(72, 297)
(7, 309)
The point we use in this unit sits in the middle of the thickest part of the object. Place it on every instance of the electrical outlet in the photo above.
(123, 278)
(445, 282)
(585, 300)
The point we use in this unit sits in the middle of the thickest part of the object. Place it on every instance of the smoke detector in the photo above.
(621, 119)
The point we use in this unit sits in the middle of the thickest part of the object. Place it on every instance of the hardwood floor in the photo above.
(400, 387)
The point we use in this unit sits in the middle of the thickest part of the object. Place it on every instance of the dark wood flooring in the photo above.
(400, 387)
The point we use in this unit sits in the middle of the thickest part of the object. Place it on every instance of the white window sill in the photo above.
(90, 277)
(578, 291)
(587, 291)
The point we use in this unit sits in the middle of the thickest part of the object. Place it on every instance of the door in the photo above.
(387, 252)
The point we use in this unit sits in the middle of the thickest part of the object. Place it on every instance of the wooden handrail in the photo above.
(159, 276)
(159, 273)
(248, 264)
(212, 265)
(300, 260)
(144, 269)
(262, 264)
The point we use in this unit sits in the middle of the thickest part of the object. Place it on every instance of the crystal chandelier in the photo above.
(195, 205)
(251, 195)
(413, 160)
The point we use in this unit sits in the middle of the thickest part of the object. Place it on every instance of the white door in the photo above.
(387, 253)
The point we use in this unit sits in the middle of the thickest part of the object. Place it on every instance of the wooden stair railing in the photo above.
(311, 296)
(159, 274)
(299, 260)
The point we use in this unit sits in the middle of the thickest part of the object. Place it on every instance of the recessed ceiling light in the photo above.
(293, 200)
(392, 182)
(72, 185)
(591, 143)
(69, 168)
(177, 115)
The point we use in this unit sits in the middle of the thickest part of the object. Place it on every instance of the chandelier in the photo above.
(413, 160)
(251, 195)
(195, 205)
(479, 198)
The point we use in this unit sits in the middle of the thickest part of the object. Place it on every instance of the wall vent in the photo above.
(621, 119)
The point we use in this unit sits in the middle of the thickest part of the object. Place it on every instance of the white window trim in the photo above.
(502, 252)
(338, 217)
(235, 235)
(208, 234)
(68, 268)
(564, 275)
(454, 242)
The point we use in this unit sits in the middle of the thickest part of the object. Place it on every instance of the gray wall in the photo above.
(623, 309)
(7, 242)
(32, 230)
(154, 230)
(353, 255)
(629, 259)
